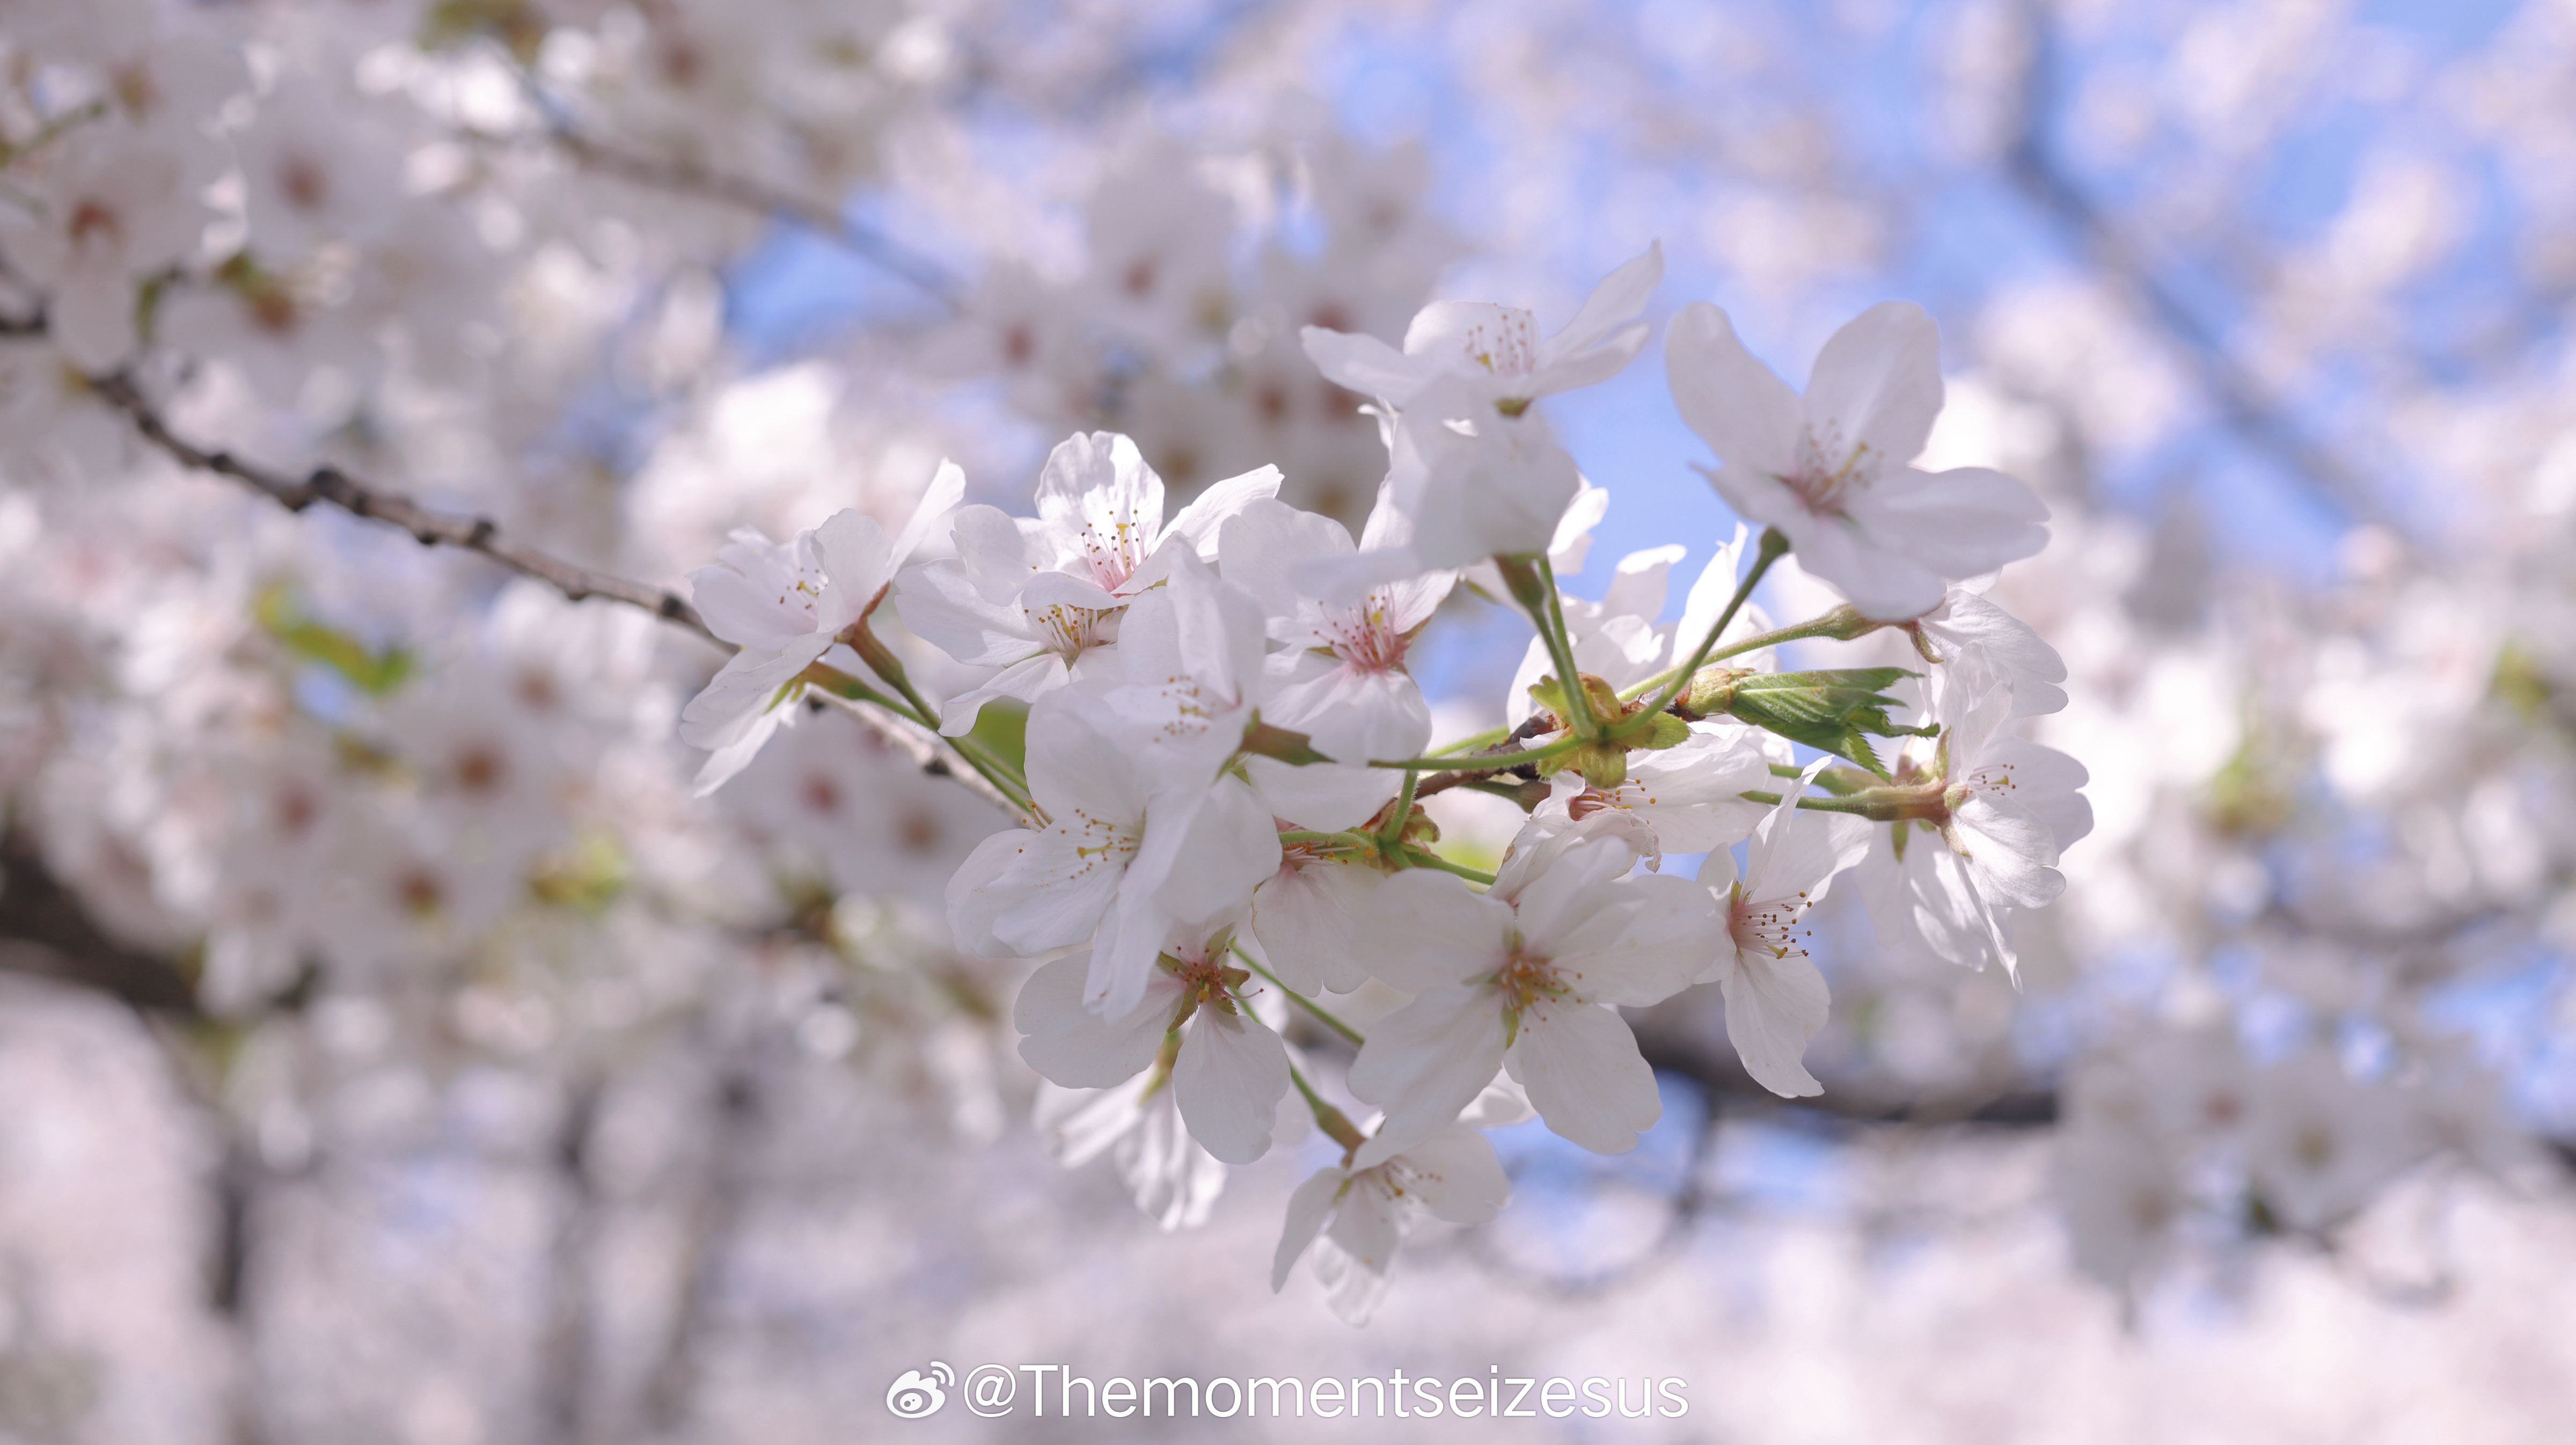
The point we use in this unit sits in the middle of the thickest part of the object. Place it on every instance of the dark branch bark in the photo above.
(69, 947)
(430, 528)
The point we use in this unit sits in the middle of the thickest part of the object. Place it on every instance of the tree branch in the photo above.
(430, 528)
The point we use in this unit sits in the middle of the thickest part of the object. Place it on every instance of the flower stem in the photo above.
(1532, 584)
(1775, 545)
(1421, 857)
(1345, 842)
(1843, 624)
(1879, 805)
(882, 661)
(1337, 1126)
(1322, 1014)
(1393, 831)
(1489, 763)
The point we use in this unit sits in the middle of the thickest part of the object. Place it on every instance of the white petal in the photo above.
(947, 488)
(857, 561)
(1229, 1078)
(1960, 523)
(944, 607)
(1775, 1006)
(1307, 918)
(1424, 1063)
(1584, 1075)
(1075, 1047)
(1611, 307)
(1877, 384)
(1308, 1208)
(1744, 411)
(1260, 547)
(1871, 565)
(1026, 681)
(1229, 849)
(1200, 521)
(2012, 853)
(1456, 1176)
(1426, 929)
(1365, 364)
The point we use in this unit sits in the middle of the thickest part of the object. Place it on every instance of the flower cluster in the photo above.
(1205, 718)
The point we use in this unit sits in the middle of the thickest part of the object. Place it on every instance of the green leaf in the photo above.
(374, 672)
(1829, 709)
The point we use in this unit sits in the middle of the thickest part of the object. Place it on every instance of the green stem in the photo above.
(1842, 624)
(1532, 584)
(1421, 857)
(1352, 842)
(1882, 808)
(1473, 741)
(1560, 645)
(1491, 763)
(1775, 545)
(1337, 1126)
(912, 710)
(881, 659)
(1393, 831)
(1322, 1014)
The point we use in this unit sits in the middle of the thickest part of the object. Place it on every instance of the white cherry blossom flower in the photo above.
(1034, 597)
(1528, 978)
(1473, 471)
(786, 606)
(2319, 1143)
(1967, 619)
(1356, 1219)
(1496, 348)
(1227, 1069)
(1775, 996)
(1115, 861)
(2007, 806)
(1341, 679)
(96, 211)
(1830, 469)
(1171, 1176)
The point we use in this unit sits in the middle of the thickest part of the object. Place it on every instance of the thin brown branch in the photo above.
(430, 528)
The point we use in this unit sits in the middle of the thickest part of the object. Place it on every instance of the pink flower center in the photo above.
(1770, 927)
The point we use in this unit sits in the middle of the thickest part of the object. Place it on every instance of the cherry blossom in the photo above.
(1776, 1001)
(1035, 597)
(1830, 469)
(786, 606)
(1356, 1219)
(1526, 980)
(1227, 1069)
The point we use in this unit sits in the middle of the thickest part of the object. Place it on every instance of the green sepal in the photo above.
(1666, 731)
(1003, 728)
(1281, 744)
(1603, 765)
